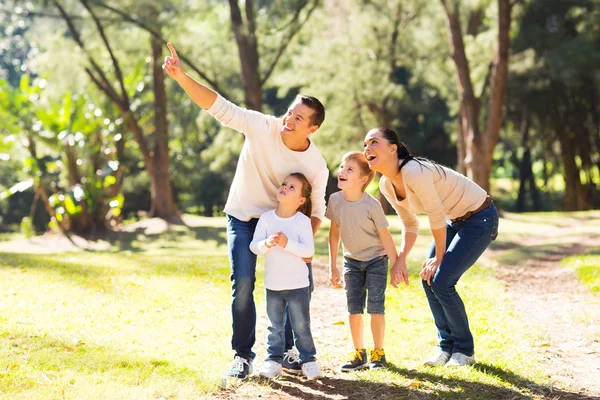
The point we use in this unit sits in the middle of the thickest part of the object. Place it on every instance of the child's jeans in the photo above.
(298, 305)
(366, 282)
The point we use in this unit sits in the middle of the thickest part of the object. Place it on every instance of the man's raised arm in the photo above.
(201, 95)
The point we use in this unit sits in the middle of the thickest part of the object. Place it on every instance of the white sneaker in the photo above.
(270, 369)
(440, 358)
(312, 370)
(460, 360)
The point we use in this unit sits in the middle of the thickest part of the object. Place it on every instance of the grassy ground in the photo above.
(150, 320)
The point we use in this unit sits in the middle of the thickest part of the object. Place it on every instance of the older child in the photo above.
(285, 236)
(358, 219)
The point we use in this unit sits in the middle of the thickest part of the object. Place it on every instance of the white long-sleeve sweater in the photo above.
(284, 267)
(265, 161)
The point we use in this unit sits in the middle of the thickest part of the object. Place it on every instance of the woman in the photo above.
(416, 185)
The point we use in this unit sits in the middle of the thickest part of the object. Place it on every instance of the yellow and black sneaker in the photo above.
(378, 359)
(356, 360)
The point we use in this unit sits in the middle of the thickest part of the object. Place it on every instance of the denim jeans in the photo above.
(365, 282)
(289, 335)
(243, 278)
(465, 242)
(297, 303)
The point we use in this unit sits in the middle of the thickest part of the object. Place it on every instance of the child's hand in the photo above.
(272, 240)
(399, 273)
(282, 240)
(334, 277)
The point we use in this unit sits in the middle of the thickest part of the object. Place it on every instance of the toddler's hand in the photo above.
(272, 240)
(282, 240)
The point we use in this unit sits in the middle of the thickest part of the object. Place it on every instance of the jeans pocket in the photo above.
(494, 234)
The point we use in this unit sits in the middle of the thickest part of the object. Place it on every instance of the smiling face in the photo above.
(350, 176)
(298, 121)
(290, 192)
(378, 150)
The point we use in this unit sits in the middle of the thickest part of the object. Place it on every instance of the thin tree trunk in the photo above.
(163, 204)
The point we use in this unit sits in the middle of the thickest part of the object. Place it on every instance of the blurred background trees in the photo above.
(92, 130)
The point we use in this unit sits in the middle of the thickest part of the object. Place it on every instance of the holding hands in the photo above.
(399, 272)
(172, 65)
(279, 239)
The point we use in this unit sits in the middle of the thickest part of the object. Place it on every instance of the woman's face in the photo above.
(378, 151)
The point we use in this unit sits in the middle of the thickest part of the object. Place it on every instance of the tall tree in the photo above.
(476, 143)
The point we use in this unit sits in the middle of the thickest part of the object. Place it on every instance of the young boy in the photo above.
(358, 218)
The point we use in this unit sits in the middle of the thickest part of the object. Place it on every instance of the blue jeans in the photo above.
(465, 242)
(289, 335)
(297, 303)
(243, 278)
(365, 282)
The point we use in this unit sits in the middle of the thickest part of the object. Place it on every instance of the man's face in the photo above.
(297, 121)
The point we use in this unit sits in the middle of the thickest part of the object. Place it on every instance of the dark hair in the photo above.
(314, 104)
(363, 165)
(402, 150)
(306, 207)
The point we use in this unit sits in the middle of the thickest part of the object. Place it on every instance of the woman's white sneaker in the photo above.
(460, 360)
(440, 358)
(270, 369)
(312, 370)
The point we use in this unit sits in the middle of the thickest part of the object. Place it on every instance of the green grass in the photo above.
(150, 320)
(587, 268)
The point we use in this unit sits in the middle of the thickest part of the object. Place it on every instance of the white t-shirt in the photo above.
(265, 161)
(284, 267)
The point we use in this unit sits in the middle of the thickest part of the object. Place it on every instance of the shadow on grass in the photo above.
(130, 241)
(423, 385)
(100, 271)
(552, 252)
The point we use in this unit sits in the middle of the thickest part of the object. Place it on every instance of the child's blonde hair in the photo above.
(305, 208)
(363, 165)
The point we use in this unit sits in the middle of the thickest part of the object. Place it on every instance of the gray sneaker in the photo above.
(438, 359)
(241, 368)
(460, 360)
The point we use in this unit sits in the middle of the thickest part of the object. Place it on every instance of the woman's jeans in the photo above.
(296, 302)
(243, 278)
(465, 242)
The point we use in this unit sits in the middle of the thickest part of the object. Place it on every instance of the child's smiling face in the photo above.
(290, 192)
(349, 176)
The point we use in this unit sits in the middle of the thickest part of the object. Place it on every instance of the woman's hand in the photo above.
(429, 268)
(399, 272)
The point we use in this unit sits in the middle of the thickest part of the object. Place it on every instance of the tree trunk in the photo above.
(163, 204)
(479, 145)
(245, 36)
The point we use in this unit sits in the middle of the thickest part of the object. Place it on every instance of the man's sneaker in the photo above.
(356, 360)
(291, 362)
(440, 358)
(460, 360)
(240, 368)
(378, 359)
(270, 369)
(312, 370)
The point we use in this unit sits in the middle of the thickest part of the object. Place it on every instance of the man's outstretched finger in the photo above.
(173, 52)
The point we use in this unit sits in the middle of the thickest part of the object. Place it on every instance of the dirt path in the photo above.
(550, 297)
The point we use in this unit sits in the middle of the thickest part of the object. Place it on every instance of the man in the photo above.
(274, 148)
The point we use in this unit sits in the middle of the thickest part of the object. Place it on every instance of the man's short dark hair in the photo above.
(314, 104)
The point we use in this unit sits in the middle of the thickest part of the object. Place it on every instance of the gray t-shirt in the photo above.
(359, 223)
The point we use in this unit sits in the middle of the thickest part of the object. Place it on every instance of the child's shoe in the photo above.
(270, 369)
(312, 370)
(291, 362)
(378, 359)
(356, 360)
